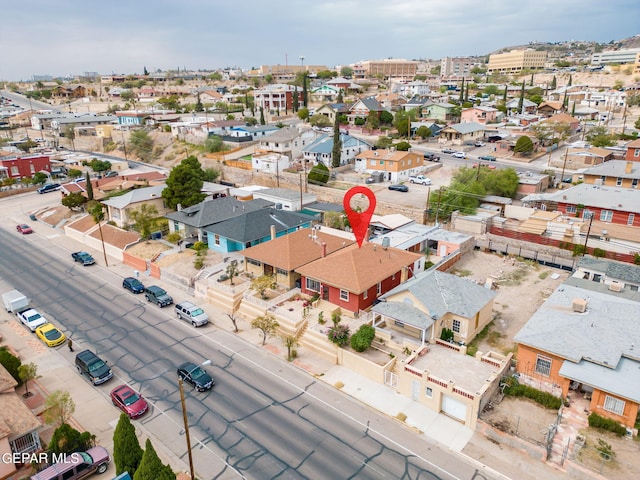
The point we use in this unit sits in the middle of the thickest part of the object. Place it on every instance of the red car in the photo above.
(130, 402)
(24, 229)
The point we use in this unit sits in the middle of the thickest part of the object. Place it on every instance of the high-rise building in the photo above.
(516, 60)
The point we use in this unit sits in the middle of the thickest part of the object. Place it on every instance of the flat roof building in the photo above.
(516, 60)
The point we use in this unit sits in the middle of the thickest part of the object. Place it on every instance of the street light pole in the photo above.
(186, 421)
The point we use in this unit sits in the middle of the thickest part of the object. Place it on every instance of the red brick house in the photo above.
(353, 278)
(633, 151)
(18, 167)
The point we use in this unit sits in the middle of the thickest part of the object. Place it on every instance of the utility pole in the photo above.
(588, 232)
(564, 164)
(425, 217)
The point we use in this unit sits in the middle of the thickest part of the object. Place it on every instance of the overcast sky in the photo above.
(67, 37)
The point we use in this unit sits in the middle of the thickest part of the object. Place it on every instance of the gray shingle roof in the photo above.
(443, 293)
(615, 168)
(405, 313)
(135, 196)
(216, 210)
(257, 224)
(610, 198)
(613, 270)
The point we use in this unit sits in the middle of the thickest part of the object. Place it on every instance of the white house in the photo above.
(269, 162)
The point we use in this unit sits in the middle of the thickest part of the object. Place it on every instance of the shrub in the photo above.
(173, 237)
(545, 399)
(361, 340)
(446, 335)
(599, 253)
(339, 334)
(11, 363)
(602, 423)
(67, 439)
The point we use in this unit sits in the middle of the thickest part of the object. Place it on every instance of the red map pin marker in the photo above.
(359, 220)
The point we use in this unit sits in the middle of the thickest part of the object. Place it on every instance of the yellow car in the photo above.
(50, 335)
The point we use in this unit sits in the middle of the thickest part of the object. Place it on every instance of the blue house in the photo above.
(252, 228)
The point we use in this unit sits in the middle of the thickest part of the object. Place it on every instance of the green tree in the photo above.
(333, 220)
(386, 118)
(27, 146)
(184, 184)
(267, 324)
(232, 270)
(39, 178)
(373, 121)
(88, 186)
(554, 83)
(637, 124)
(303, 113)
(141, 144)
(291, 342)
(97, 212)
(214, 144)
(66, 439)
(336, 151)
(361, 340)
(127, 452)
(339, 98)
(403, 146)
(144, 218)
(151, 468)
(524, 146)
(129, 97)
(461, 98)
(339, 334)
(11, 363)
(262, 122)
(27, 372)
(424, 132)
(210, 174)
(384, 142)
(346, 71)
(521, 101)
(305, 93)
(100, 165)
(69, 132)
(263, 283)
(58, 408)
(74, 200)
(320, 121)
(504, 95)
(318, 175)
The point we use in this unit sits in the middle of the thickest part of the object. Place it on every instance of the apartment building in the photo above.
(391, 68)
(516, 60)
(457, 66)
(628, 55)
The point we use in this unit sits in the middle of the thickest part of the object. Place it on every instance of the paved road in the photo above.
(263, 419)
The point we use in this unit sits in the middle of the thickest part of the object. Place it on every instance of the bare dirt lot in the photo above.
(521, 287)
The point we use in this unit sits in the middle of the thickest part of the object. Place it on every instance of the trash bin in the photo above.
(33, 217)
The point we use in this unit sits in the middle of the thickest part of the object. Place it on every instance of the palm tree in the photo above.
(97, 212)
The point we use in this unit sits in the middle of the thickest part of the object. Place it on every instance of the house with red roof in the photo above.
(353, 278)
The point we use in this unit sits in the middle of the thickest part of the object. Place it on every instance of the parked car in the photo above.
(399, 188)
(192, 313)
(489, 158)
(49, 187)
(24, 229)
(83, 257)
(76, 466)
(195, 376)
(50, 335)
(448, 150)
(96, 369)
(459, 155)
(479, 144)
(110, 174)
(158, 296)
(133, 285)
(130, 402)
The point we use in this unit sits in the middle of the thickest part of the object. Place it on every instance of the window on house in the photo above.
(32, 168)
(312, 285)
(636, 152)
(571, 209)
(344, 295)
(614, 405)
(630, 219)
(619, 181)
(456, 326)
(372, 163)
(634, 183)
(381, 162)
(428, 392)
(398, 324)
(251, 261)
(14, 171)
(365, 294)
(543, 365)
(606, 215)
(216, 239)
(379, 289)
(281, 272)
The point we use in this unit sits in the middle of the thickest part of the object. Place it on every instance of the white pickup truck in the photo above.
(421, 179)
(31, 318)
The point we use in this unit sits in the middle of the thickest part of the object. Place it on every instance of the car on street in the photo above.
(91, 365)
(490, 167)
(399, 188)
(158, 296)
(459, 155)
(24, 229)
(479, 144)
(130, 402)
(49, 187)
(196, 376)
(50, 335)
(448, 150)
(83, 257)
(489, 158)
(133, 285)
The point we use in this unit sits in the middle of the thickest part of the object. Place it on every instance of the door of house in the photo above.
(325, 293)
(390, 379)
(268, 269)
(454, 408)
(415, 390)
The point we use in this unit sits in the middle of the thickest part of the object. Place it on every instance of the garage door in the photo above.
(454, 408)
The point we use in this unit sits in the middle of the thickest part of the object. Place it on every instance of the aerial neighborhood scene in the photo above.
(233, 249)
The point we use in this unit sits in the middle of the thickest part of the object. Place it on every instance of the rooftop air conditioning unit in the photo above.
(579, 305)
(616, 286)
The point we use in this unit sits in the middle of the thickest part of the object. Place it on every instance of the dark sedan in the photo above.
(83, 257)
(133, 285)
(399, 188)
(195, 376)
(130, 402)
